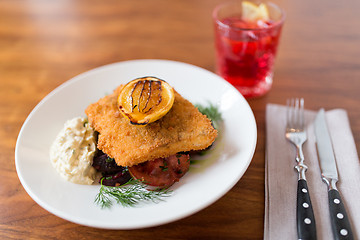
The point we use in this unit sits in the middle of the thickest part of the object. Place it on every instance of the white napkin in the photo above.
(281, 178)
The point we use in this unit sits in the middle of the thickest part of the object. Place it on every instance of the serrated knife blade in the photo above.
(340, 223)
(324, 147)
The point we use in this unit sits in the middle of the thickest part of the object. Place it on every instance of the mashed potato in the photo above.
(73, 151)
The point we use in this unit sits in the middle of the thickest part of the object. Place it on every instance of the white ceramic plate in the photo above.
(206, 181)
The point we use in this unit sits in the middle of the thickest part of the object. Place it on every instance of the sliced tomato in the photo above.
(162, 172)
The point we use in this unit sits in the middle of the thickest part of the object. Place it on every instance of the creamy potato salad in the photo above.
(73, 151)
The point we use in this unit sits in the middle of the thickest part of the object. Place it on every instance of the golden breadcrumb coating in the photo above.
(182, 129)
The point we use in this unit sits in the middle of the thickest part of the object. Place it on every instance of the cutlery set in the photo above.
(296, 134)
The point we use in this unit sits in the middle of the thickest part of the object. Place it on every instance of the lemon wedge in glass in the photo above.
(252, 12)
(145, 100)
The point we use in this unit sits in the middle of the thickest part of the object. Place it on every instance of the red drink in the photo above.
(246, 53)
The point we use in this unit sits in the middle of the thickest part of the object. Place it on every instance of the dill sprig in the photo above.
(212, 112)
(129, 194)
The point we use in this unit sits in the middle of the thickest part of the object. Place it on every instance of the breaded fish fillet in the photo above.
(182, 129)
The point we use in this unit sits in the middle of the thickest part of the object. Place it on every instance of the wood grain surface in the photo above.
(45, 43)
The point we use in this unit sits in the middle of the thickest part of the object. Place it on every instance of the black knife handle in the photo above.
(305, 218)
(340, 223)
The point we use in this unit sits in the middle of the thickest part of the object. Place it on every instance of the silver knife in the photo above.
(340, 223)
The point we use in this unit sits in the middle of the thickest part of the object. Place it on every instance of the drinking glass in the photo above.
(246, 50)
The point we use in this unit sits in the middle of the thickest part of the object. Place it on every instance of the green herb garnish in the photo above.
(128, 194)
(212, 112)
(164, 167)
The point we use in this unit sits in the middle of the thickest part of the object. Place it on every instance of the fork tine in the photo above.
(290, 113)
(296, 114)
(287, 113)
(301, 117)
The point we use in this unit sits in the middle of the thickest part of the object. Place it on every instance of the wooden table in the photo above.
(45, 43)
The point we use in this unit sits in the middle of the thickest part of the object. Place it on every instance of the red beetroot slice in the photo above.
(162, 172)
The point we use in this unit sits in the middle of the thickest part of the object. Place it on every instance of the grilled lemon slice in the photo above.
(145, 100)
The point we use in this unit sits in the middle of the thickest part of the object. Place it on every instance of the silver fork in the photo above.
(296, 134)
